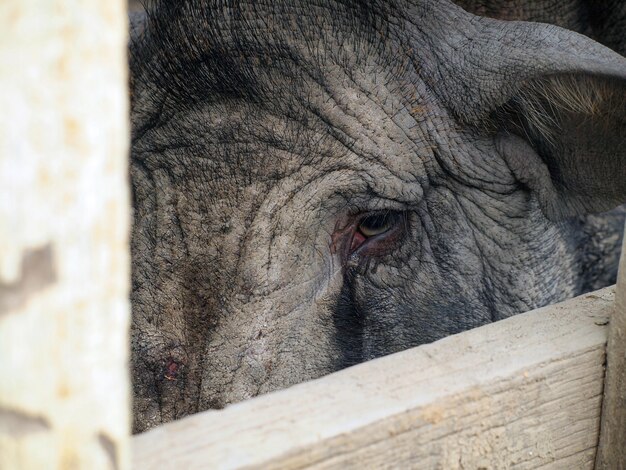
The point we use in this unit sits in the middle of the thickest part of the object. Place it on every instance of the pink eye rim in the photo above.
(384, 230)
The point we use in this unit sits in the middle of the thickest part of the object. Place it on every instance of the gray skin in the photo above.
(319, 183)
(602, 20)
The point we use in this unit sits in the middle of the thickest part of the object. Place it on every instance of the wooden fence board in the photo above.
(612, 445)
(64, 216)
(521, 393)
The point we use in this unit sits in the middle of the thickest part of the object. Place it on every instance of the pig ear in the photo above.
(554, 98)
(561, 121)
(565, 137)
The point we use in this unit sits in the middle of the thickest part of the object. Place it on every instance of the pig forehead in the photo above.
(257, 50)
(362, 119)
(324, 101)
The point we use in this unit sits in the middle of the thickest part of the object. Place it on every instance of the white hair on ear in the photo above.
(545, 102)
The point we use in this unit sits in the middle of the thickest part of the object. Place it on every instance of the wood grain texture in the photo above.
(612, 445)
(521, 393)
(64, 213)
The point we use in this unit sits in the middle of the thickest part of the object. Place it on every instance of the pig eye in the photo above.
(374, 234)
(376, 224)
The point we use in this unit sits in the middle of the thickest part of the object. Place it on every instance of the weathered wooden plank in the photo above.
(63, 235)
(521, 393)
(612, 446)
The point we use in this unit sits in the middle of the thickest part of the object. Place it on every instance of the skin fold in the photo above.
(318, 183)
(602, 20)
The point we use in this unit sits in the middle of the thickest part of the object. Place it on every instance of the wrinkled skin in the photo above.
(319, 183)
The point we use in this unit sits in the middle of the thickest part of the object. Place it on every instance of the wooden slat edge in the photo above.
(612, 445)
(526, 389)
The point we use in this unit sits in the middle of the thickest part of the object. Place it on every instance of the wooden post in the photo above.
(612, 447)
(64, 213)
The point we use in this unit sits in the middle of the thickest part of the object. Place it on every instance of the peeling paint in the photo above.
(109, 448)
(18, 424)
(37, 273)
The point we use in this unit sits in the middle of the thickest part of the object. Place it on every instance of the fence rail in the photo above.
(524, 392)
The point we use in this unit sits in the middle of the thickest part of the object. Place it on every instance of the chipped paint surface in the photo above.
(18, 424)
(37, 273)
(64, 265)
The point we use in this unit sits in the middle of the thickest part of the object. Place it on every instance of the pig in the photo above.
(320, 183)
